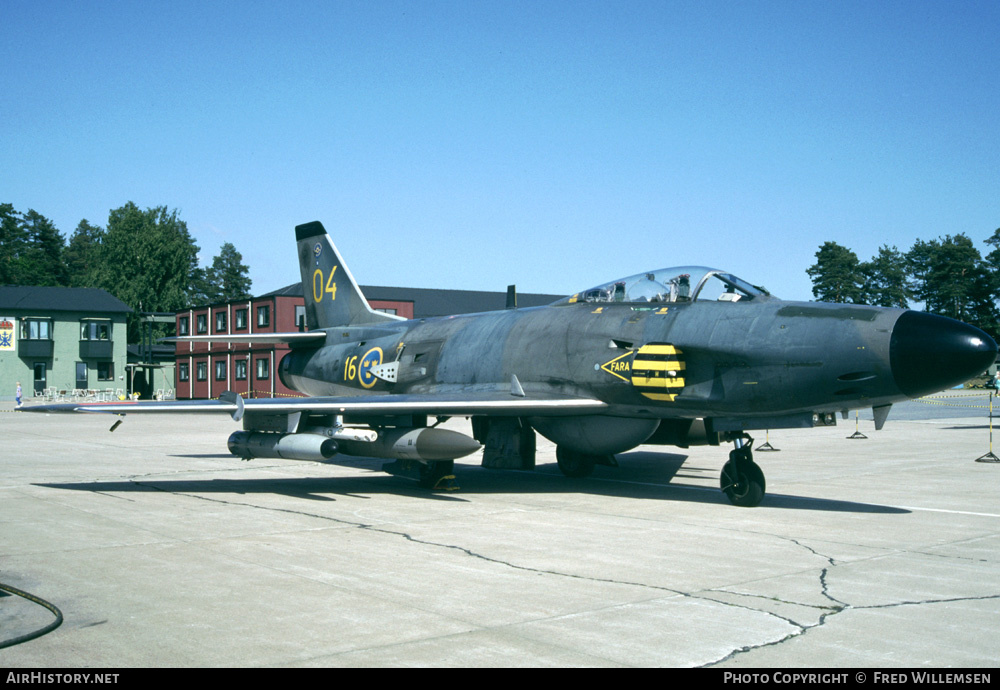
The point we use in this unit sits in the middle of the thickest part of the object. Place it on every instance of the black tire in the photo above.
(573, 464)
(743, 483)
(433, 472)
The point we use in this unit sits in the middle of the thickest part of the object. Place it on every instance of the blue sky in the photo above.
(473, 144)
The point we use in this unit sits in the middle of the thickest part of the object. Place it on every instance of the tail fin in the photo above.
(332, 296)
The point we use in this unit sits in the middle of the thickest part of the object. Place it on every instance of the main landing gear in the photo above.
(576, 465)
(742, 479)
(436, 475)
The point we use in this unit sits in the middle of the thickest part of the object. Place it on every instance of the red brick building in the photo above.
(205, 370)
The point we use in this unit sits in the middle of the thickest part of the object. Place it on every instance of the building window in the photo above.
(240, 367)
(105, 371)
(264, 315)
(263, 369)
(36, 329)
(241, 319)
(220, 322)
(183, 325)
(202, 371)
(220, 371)
(81, 375)
(300, 317)
(387, 310)
(202, 323)
(183, 371)
(95, 330)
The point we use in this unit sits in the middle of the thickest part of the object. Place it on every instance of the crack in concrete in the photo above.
(488, 559)
(836, 608)
(829, 559)
(840, 607)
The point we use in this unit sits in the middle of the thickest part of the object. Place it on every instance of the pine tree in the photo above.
(885, 282)
(12, 244)
(228, 275)
(42, 261)
(950, 277)
(836, 275)
(83, 253)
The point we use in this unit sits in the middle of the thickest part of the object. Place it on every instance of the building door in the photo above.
(39, 377)
(81, 375)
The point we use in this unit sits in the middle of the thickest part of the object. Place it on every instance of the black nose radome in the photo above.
(929, 353)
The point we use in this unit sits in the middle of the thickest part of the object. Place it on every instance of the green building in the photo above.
(60, 340)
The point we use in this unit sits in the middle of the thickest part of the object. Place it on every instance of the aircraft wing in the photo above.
(493, 403)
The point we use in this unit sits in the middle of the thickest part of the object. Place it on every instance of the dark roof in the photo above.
(293, 290)
(161, 352)
(60, 299)
(430, 302)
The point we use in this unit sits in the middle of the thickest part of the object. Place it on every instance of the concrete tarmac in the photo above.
(161, 549)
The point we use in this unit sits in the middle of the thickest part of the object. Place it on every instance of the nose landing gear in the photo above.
(742, 479)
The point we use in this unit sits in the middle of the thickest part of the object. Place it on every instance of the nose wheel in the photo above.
(742, 479)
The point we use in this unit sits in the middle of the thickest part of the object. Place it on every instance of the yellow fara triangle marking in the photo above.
(616, 367)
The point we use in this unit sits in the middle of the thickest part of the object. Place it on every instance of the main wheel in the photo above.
(743, 483)
(574, 464)
(438, 475)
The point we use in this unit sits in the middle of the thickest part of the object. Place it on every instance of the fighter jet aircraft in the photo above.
(675, 356)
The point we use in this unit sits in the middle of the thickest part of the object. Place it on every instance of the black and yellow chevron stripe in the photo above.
(658, 371)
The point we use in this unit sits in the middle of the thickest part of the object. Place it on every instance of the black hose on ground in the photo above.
(36, 600)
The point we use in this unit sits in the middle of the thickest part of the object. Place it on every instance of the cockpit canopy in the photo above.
(671, 285)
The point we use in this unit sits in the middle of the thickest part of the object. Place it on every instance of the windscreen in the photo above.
(672, 285)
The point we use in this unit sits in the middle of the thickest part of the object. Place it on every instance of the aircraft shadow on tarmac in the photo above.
(641, 475)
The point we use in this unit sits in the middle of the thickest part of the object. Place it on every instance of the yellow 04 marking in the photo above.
(321, 289)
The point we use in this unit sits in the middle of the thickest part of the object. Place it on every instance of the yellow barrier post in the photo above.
(989, 457)
(857, 431)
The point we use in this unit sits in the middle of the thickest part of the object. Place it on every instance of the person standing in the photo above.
(18, 396)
